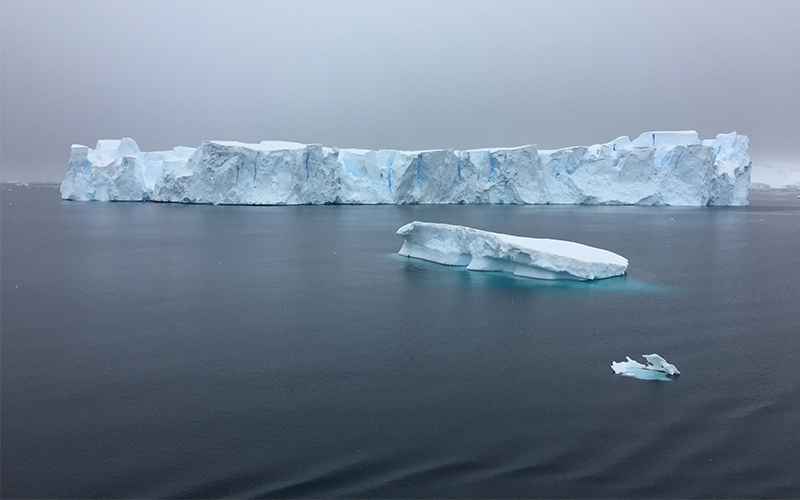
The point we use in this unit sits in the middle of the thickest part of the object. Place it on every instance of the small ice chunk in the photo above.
(623, 367)
(660, 364)
(657, 369)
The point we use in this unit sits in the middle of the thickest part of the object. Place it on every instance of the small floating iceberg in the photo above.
(656, 369)
(529, 257)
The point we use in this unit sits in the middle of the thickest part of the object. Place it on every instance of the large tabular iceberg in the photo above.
(530, 257)
(658, 168)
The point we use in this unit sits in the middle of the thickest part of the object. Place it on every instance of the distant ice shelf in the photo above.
(657, 168)
(529, 257)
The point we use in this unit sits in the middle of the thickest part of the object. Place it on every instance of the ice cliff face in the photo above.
(658, 168)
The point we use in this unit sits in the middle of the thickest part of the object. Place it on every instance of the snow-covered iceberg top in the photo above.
(657, 168)
(530, 257)
(656, 369)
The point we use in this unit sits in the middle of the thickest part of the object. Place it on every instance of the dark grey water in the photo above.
(154, 350)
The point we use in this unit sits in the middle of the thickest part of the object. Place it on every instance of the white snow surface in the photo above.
(529, 257)
(660, 364)
(657, 168)
(656, 363)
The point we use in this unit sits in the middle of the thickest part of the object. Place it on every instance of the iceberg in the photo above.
(657, 168)
(529, 257)
(657, 368)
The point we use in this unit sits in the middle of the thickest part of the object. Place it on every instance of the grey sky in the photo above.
(399, 75)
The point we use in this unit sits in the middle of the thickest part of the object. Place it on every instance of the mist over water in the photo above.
(377, 74)
(163, 350)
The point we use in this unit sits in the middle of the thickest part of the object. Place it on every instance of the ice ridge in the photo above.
(657, 168)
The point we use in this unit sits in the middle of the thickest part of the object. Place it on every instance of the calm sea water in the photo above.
(155, 350)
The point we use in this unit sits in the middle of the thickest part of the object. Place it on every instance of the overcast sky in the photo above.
(394, 74)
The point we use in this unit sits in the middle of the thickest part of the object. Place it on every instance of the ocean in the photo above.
(195, 351)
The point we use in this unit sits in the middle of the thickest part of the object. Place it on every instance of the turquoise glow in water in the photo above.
(643, 374)
(452, 275)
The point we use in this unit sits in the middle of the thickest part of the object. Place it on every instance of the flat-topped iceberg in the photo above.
(657, 168)
(656, 369)
(529, 257)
